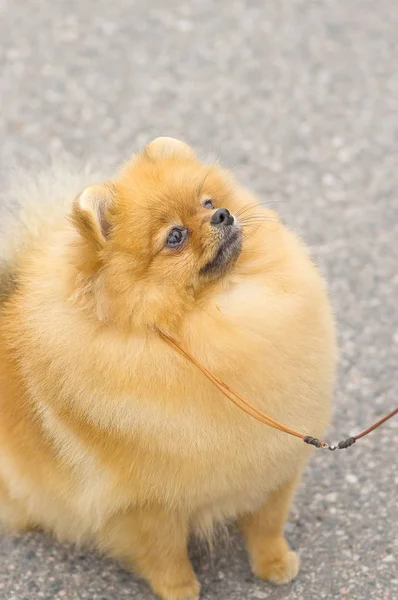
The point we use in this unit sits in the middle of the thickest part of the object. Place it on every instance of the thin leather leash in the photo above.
(261, 416)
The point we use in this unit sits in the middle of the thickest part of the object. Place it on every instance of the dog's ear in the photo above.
(163, 147)
(90, 213)
(92, 219)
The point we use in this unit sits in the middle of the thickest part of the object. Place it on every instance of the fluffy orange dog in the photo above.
(107, 435)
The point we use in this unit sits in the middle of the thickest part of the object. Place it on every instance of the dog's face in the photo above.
(163, 234)
(172, 216)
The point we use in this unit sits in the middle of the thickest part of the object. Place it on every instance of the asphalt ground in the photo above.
(300, 99)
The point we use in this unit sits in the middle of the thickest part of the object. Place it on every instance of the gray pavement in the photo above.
(300, 98)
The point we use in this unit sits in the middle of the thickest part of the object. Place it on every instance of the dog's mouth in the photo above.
(228, 252)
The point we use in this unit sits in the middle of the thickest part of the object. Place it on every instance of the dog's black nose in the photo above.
(221, 218)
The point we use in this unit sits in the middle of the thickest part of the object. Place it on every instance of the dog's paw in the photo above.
(184, 591)
(278, 570)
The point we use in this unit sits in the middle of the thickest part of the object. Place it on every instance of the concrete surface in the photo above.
(300, 98)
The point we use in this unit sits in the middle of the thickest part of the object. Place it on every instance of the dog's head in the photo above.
(158, 238)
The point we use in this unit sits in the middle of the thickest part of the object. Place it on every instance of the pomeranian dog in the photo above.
(110, 437)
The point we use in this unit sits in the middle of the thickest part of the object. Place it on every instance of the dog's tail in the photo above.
(31, 204)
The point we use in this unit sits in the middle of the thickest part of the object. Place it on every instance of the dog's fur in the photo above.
(107, 435)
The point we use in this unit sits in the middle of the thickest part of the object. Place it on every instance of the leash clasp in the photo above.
(325, 446)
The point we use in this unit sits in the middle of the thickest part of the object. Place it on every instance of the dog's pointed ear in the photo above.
(163, 147)
(90, 213)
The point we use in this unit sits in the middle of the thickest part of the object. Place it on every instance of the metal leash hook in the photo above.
(325, 446)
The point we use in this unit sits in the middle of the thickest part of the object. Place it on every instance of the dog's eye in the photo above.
(176, 237)
(208, 203)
